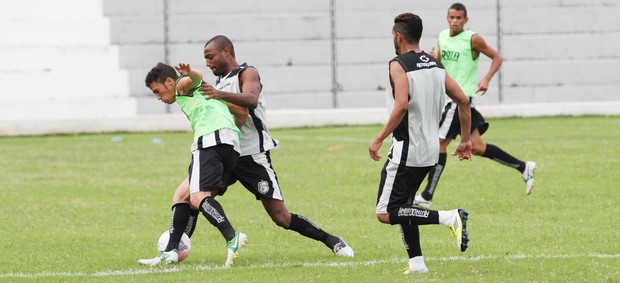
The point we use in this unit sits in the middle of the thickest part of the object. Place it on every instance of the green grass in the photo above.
(81, 208)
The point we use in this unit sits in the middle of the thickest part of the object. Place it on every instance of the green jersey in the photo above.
(456, 56)
(206, 116)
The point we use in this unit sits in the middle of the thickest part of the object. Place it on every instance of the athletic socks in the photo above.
(413, 216)
(497, 154)
(178, 223)
(446, 216)
(305, 227)
(433, 177)
(213, 211)
(411, 239)
(191, 225)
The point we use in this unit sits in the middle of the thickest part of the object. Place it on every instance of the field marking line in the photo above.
(179, 268)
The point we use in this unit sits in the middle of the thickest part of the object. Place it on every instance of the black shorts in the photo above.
(210, 166)
(450, 124)
(398, 186)
(256, 174)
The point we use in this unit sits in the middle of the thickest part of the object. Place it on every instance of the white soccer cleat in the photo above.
(458, 228)
(419, 201)
(165, 257)
(342, 249)
(416, 265)
(233, 246)
(528, 176)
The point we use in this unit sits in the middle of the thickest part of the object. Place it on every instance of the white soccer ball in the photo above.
(185, 245)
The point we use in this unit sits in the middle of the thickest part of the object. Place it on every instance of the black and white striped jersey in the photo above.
(255, 136)
(415, 141)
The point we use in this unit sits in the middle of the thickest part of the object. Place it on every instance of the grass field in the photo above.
(82, 208)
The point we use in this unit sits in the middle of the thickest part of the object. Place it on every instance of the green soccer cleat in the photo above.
(233, 246)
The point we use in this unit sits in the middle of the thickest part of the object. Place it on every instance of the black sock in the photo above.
(433, 177)
(213, 211)
(193, 220)
(178, 222)
(497, 154)
(411, 239)
(413, 216)
(305, 227)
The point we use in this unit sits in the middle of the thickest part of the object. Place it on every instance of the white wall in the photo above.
(87, 59)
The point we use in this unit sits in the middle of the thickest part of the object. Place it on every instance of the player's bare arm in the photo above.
(400, 84)
(463, 150)
(240, 114)
(479, 45)
(191, 78)
(250, 89)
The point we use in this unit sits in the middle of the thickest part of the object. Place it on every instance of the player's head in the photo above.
(160, 80)
(219, 52)
(457, 18)
(407, 30)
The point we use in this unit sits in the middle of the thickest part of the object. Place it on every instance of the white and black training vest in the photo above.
(415, 141)
(255, 136)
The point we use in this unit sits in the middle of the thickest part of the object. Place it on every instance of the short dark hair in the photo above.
(160, 73)
(459, 7)
(410, 26)
(221, 41)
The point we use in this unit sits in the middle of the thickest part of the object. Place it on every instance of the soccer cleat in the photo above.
(419, 201)
(233, 246)
(408, 270)
(165, 257)
(416, 265)
(342, 249)
(528, 176)
(458, 228)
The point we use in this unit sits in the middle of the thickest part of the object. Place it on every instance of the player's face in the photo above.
(456, 21)
(214, 59)
(164, 92)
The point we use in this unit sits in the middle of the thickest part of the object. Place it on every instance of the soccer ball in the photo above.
(185, 245)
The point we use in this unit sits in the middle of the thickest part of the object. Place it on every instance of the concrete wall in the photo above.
(74, 59)
(551, 54)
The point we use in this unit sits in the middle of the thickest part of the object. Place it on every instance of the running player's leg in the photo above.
(257, 175)
(207, 171)
(180, 221)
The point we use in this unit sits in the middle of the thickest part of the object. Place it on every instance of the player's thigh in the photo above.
(256, 174)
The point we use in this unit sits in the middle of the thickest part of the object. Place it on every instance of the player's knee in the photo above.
(478, 149)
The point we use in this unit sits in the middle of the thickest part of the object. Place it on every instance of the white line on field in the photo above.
(179, 268)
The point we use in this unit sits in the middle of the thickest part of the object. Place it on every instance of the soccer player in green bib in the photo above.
(459, 51)
(214, 153)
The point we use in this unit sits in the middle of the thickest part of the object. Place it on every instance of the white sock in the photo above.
(446, 216)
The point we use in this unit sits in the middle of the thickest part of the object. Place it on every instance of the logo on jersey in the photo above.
(424, 58)
(450, 55)
(263, 187)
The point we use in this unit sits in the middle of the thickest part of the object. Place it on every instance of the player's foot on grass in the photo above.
(458, 228)
(342, 249)
(416, 265)
(165, 257)
(528, 176)
(419, 201)
(233, 246)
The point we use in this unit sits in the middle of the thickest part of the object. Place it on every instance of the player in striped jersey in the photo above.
(416, 95)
